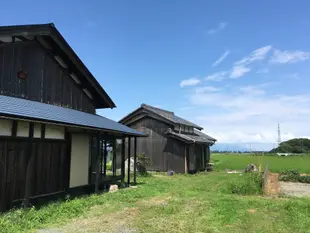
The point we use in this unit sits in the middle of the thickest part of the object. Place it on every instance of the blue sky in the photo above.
(235, 67)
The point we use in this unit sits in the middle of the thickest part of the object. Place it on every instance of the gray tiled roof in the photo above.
(40, 111)
(192, 138)
(201, 134)
(170, 116)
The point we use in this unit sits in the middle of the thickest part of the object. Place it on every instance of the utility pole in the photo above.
(279, 134)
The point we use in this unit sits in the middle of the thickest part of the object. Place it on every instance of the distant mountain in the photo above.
(243, 147)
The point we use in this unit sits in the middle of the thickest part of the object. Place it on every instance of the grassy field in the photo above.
(206, 202)
(275, 163)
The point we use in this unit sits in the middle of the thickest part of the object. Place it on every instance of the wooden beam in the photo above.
(14, 128)
(128, 161)
(68, 138)
(101, 155)
(43, 131)
(97, 162)
(28, 167)
(114, 158)
(22, 38)
(186, 160)
(123, 161)
(105, 159)
(135, 162)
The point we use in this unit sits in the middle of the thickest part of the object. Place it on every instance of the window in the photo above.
(177, 128)
(186, 130)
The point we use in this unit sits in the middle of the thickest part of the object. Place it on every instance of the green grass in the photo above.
(206, 202)
(275, 163)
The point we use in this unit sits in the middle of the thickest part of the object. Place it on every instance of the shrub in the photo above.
(293, 176)
(304, 179)
(142, 163)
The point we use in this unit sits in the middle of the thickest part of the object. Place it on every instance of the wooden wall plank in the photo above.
(46, 80)
(165, 153)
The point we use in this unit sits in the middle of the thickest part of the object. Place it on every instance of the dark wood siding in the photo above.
(165, 153)
(48, 163)
(46, 80)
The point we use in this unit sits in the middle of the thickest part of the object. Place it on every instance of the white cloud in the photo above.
(239, 71)
(240, 67)
(220, 27)
(250, 114)
(189, 82)
(222, 57)
(254, 90)
(218, 76)
(207, 89)
(256, 55)
(285, 57)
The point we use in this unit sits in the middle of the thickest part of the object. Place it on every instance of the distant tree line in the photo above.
(296, 146)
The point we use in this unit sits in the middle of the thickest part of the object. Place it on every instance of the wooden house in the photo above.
(52, 142)
(173, 143)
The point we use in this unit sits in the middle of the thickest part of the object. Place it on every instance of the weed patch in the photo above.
(247, 184)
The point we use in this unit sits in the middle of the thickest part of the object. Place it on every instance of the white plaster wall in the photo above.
(22, 129)
(37, 130)
(54, 132)
(79, 160)
(5, 127)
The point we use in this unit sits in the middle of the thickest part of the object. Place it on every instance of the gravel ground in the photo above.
(295, 189)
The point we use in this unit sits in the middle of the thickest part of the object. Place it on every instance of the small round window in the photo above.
(22, 74)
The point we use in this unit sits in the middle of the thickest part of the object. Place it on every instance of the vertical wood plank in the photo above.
(135, 162)
(105, 159)
(97, 164)
(128, 161)
(28, 167)
(123, 160)
(114, 157)
(14, 128)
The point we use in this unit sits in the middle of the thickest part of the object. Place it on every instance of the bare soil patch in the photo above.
(295, 189)
(272, 185)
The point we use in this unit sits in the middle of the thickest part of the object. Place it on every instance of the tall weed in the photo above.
(247, 184)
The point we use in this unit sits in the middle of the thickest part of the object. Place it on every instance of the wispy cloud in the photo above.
(220, 27)
(222, 57)
(218, 76)
(253, 90)
(285, 57)
(207, 89)
(239, 71)
(256, 55)
(236, 113)
(189, 82)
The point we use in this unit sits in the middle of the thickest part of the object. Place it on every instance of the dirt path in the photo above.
(295, 189)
